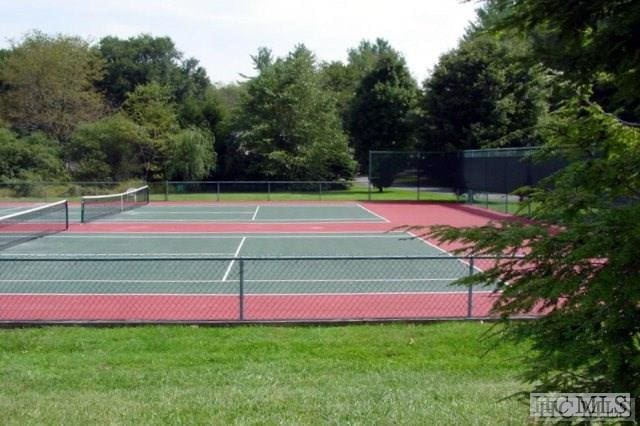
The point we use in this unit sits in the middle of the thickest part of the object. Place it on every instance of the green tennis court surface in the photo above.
(242, 213)
(219, 273)
(223, 277)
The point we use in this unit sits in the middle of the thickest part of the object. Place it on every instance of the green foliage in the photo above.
(485, 93)
(384, 110)
(190, 155)
(584, 38)
(107, 150)
(343, 79)
(48, 85)
(150, 107)
(580, 259)
(289, 128)
(30, 158)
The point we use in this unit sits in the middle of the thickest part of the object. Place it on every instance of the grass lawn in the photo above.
(360, 374)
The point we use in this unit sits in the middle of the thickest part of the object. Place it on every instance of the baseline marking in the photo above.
(229, 235)
(183, 213)
(283, 221)
(355, 280)
(90, 255)
(373, 213)
(394, 293)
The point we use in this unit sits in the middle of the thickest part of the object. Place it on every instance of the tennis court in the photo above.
(233, 277)
(240, 213)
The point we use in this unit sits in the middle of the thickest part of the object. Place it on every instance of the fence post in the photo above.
(241, 289)
(369, 179)
(470, 292)
(320, 191)
(418, 183)
(217, 191)
(268, 191)
(166, 190)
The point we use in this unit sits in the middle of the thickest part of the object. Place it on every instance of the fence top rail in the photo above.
(257, 181)
(150, 257)
(114, 183)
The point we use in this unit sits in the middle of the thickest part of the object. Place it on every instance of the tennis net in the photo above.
(27, 225)
(97, 206)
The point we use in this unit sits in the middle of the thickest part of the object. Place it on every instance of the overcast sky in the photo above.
(222, 34)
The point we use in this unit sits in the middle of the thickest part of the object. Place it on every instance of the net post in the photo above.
(241, 290)
(122, 202)
(66, 216)
(81, 211)
(470, 291)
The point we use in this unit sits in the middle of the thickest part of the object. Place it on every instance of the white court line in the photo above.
(279, 221)
(442, 250)
(184, 213)
(229, 235)
(358, 280)
(255, 213)
(377, 293)
(226, 274)
(373, 213)
(83, 255)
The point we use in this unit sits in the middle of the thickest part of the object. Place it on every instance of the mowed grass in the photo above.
(354, 193)
(360, 374)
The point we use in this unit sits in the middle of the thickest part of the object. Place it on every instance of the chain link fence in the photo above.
(244, 289)
(18, 191)
(488, 177)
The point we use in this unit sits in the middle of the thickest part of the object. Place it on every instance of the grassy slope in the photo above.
(373, 374)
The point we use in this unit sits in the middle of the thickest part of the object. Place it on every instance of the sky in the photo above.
(223, 34)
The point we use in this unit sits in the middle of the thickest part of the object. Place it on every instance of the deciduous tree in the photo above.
(48, 85)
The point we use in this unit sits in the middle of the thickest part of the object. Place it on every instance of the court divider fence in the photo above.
(187, 289)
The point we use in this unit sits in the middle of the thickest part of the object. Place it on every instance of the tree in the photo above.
(48, 85)
(485, 93)
(150, 107)
(580, 259)
(144, 59)
(343, 79)
(587, 40)
(190, 155)
(289, 128)
(384, 110)
(110, 149)
(30, 158)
